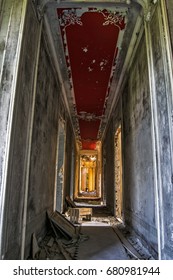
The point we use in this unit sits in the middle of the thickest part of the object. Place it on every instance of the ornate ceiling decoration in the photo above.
(91, 46)
(92, 39)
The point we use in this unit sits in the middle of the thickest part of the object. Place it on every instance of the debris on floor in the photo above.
(35, 247)
(127, 245)
(64, 238)
(60, 222)
(135, 242)
(53, 248)
(48, 252)
(110, 220)
(61, 242)
(75, 213)
(70, 202)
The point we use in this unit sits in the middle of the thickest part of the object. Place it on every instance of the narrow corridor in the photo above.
(86, 113)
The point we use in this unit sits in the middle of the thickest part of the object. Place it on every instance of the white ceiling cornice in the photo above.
(147, 5)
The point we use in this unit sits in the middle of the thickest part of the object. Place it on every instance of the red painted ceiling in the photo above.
(91, 40)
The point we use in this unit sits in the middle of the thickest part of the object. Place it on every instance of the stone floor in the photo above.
(103, 244)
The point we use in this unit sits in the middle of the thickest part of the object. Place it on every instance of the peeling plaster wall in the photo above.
(108, 159)
(65, 160)
(16, 99)
(43, 153)
(60, 162)
(139, 153)
(30, 126)
(1, 8)
(139, 206)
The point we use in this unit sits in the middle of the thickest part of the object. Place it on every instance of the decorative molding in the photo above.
(38, 9)
(149, 10)
(73, 16)
(69, 16)
(110, 18)
(115, 18)
(39, 6)
(88, 116)
(155, 141)
(61, 174)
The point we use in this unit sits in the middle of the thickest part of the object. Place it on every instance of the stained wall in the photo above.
(139, 201)
(31, 103)
(17, 87)
(147, 139)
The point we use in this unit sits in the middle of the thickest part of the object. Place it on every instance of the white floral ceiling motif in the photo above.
(73, 16)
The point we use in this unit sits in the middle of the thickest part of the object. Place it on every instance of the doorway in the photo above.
(59, 183)
(88, 166)
(118, 174)
(88, 179)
